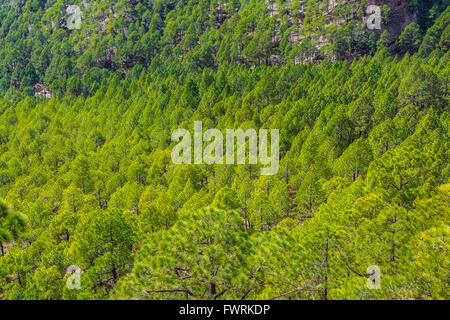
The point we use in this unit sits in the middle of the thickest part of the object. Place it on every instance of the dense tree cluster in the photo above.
(37, 44)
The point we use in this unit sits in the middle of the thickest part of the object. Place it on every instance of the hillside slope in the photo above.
(87, 181)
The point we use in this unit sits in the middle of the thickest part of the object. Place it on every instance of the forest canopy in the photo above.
(87, 180)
